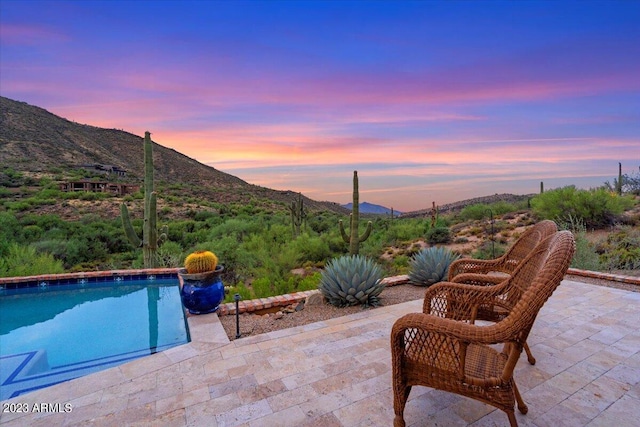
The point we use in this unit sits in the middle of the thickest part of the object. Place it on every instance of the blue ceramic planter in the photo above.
(201, 293)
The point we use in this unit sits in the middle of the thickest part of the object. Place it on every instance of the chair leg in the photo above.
(399, 402)
(512, 419)
(522, 407)
(530, 358)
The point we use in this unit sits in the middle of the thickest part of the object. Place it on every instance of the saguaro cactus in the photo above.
(150, 236)
(619, 183)
(354, 239)
(298, 215)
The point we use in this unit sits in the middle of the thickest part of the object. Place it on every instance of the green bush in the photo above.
(488, 251)
(23, 260)
(596, 208)
(438, 235)
(621, 251)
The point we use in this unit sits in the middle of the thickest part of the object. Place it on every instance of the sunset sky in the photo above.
(429, 101)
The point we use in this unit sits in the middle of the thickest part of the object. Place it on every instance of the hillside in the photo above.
(35, 141)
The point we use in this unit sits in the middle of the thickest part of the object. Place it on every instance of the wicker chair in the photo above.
(442, 348)
(508, 262)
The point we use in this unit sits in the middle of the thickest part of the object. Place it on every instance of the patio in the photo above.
(338, 373)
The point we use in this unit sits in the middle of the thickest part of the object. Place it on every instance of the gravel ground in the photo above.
(253, 324)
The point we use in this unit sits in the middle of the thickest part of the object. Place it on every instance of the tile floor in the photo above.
(338, 373)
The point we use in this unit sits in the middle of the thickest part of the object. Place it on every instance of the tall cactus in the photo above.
(354, 239)
(150, 238)
(298, 215)
(619, 183)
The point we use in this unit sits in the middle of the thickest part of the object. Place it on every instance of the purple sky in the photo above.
(429, 101)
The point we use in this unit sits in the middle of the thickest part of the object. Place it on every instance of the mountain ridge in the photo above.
(36, 140)
(371, 208)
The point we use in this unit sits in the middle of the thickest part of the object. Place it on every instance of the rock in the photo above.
(278, 315)
(315, 299)
(300, 306)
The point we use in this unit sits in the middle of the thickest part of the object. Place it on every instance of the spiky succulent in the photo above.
(351, 280)
(430, 265)
(200, 262)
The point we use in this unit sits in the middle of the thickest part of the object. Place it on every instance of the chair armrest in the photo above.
(460, 301)
(479, 279)
(471, 265)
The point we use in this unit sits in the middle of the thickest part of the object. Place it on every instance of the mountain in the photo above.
(35, 141)
(370, 208)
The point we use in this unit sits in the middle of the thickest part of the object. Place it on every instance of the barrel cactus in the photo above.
(200, 262)
(430, 265)
(351, 280)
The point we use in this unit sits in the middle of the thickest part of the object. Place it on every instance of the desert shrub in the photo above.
(170, 255)
(488, 251)
(596, 208)
(400, 264)
(24, 260)
(403, 230)
(621, 251)
(474, 212)
(438, 235)
(311, 248)
(240, 289)
(585, 257)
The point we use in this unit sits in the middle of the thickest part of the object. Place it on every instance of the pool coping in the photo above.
(246, 306)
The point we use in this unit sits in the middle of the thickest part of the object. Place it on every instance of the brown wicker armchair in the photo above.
(442, 348)
(508, 262)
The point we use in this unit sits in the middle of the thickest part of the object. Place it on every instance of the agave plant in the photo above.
(430, 265)
(351, 280)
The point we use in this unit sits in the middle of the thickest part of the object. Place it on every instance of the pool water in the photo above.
(68, 331)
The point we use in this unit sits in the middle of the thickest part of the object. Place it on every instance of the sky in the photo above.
(431, 101)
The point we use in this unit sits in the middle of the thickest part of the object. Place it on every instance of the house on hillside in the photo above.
(105, 169)
(116, 189)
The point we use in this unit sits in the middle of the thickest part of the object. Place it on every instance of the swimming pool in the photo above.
(54, 332)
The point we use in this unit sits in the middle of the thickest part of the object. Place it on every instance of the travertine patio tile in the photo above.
(374, 411)
(307, 377)
(569, 382)
(244, 414)
(325, 420)
(376, 385)
(151, 395)
(129, 416)
(611, 334)
(624, 412)
(441, 418)
(224, 364)
(176, 418)
(562, 416)
(232, 386)
(337, 373)
(624, 374)
(182, 400)
(605, 358)
(289, 398)
(97, 410)
(582, 350)
(289, 417)
(204, 414)
(542, 398)
(471, 410)
(325, 403)
(139, 367)
(261, 391)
